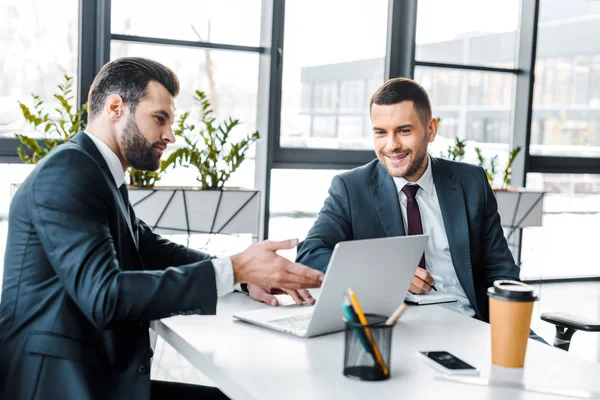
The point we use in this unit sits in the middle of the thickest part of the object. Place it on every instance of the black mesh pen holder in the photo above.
(362, 359)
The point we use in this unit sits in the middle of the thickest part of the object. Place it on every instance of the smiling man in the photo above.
(406, 191)
(83, 277)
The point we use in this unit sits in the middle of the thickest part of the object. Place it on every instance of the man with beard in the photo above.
(406, 191)
(83, 276)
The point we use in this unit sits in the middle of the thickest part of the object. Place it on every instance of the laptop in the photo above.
(379, 271)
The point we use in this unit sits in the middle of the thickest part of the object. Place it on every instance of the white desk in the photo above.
(249, 362)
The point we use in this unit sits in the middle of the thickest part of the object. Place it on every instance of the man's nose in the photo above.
(168, 135)
(393, 142)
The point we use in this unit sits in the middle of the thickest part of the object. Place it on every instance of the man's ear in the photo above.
(115, 107)
(432, 129)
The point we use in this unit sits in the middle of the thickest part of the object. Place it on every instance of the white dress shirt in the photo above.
(223, 267)
(438, 260)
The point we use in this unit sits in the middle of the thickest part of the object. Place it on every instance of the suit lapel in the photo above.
(90, 147)
(385, 199)
(454, 214)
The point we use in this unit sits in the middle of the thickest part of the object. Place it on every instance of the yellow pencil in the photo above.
(363, 320)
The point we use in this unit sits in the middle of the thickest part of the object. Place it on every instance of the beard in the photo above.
(413, 164)
(139, 153)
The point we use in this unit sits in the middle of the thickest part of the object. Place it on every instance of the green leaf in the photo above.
(54, 130)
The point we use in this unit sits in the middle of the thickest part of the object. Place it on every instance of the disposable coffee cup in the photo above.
(511, 304)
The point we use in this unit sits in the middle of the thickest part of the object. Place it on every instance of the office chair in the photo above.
(566, 325)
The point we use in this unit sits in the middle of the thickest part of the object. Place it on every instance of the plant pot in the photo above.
(519, 207)
(170, 210)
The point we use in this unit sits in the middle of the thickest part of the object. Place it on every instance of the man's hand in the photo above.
(422, 282)
(266, 295)
(260, 265)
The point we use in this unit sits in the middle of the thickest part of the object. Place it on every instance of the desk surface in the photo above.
(250, 362)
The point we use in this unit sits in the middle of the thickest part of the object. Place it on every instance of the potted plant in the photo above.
(210, 207)
(491, 167)
(208, 148)
(455, 152)
(57, 129)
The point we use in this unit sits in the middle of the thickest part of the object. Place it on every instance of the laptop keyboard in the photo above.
(296, 322)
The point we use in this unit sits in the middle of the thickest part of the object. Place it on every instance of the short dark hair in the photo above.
(128, 77)
(403, 89)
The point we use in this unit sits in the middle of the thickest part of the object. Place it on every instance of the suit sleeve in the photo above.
(159, 253)
(70, 209)
(497, 258)
(333, 225)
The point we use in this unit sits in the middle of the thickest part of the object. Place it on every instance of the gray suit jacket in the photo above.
(81, 282)
(363, 204)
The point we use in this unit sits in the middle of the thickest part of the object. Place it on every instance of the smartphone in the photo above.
(447, 363)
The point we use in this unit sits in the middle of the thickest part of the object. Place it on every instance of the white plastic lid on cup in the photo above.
(512, 291)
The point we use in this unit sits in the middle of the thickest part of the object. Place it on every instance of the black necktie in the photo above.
(124, 195)
(413, 214)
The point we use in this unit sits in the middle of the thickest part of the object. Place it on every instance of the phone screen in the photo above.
(447, 360)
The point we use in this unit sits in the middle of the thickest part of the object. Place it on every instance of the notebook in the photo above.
(429, 298)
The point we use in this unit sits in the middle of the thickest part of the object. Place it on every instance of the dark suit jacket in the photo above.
(82, 281)
(363, 204)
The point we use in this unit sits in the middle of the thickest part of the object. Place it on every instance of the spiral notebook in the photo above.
(429, 298)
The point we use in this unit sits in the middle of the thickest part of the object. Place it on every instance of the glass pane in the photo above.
(11, 175)
(474, 106)
(567, 243)
(566, 101)
(329, 76)
(37, 50)
(446, 33)
(229, 21)
(296, 199)
(232, 89)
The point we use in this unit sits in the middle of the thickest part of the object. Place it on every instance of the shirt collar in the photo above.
(113, 162)
(425, 181)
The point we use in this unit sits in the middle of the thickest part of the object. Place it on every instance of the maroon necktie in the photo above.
(413, 215)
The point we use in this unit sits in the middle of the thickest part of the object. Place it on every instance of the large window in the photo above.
(470, 32)
(11, 176)
(231, 89)
(474, 106)
(567, 243)
(296, 199)
(566, 103)
(330, 73)
(37, 51)
(565, 123)
(225, 21)
(466, 62)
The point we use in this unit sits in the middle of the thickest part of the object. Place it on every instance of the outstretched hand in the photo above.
(260, 265)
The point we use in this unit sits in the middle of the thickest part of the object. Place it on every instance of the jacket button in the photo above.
(143, 369)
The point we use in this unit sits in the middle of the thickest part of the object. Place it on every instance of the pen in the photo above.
(347, 308)
(363, 320)
(431, 286)
(396, 314)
